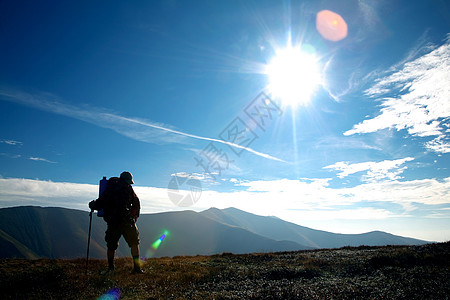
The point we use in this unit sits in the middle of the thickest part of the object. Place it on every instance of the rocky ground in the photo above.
(391, 272)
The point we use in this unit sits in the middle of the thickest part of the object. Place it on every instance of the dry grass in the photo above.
(393, 272)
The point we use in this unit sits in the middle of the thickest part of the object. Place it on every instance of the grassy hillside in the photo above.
(393, 272)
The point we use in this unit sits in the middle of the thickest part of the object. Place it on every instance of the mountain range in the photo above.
(33, 232)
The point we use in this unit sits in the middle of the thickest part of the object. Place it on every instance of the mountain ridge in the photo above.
(53, 232)
(279, 229)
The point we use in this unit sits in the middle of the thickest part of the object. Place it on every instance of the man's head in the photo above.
(127, 177)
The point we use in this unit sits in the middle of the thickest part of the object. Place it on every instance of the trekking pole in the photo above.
(102, 187)
(89, 240)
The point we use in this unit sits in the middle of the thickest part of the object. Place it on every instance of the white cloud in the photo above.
(415, 97)
(189, 175)
(262, 196)
(270, 196)
(155, 200)
(363, 213)
(41, 159)
(17, 143)
(18, 192)
(11, 142)
(34, 158)
(300, 201)
(344, 143)
(10, 155)
(440, 144)
(384, 170)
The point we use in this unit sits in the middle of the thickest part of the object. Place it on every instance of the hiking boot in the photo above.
(137, 270)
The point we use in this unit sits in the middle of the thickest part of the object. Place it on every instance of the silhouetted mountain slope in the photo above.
(190, 233)
(50, 232)
(33, 232)
(278, 229)
(62, 233)
(10, 247)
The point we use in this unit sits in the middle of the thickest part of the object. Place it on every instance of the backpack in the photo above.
(114, 201)
(102, 187)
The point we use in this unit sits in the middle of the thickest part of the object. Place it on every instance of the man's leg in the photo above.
(112, 237)
(135, 255)
(131, 235)
(111, 254)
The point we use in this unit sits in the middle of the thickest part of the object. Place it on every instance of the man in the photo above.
(121, 209)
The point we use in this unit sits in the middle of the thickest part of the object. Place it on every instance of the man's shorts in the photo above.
(115, 231)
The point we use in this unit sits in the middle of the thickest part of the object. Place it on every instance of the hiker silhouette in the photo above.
(121, 208)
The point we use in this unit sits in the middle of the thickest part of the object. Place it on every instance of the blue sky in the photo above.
(155, 87)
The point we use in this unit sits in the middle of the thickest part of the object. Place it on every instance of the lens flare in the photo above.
(156, 244)
(331, 25)
(112, 294)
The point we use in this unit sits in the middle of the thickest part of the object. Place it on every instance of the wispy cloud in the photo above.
(41, 159)
(345, 143)
(414, 96)
(97, 116)
(135, 128)
(33, 158)
(11, 142)
(189, 175)
(10, 155)
(144, 123)
(374, 171)
(441, 144)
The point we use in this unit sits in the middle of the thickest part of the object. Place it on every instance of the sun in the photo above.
(293, 76)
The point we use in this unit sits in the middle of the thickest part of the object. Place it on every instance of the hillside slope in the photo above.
(278, 229)
(32, 232)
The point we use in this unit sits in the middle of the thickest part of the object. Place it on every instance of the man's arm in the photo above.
(135, 205)
(100, 202)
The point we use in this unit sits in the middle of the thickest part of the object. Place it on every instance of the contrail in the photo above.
(105, 120)
(197, 137)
